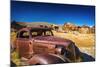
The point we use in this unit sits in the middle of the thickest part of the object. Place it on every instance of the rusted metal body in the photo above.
(37, 40)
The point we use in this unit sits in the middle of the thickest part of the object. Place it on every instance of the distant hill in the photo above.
(68, 27)
(32, 24)
(18, 25)
(69, 24)
(15, 26)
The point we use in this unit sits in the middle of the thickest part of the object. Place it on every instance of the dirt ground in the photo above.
(85, 42)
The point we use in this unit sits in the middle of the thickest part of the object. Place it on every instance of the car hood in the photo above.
(52, 40)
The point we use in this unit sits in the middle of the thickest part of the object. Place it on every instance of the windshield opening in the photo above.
(41, 32)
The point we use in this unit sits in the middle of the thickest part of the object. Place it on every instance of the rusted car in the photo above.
(39, 43)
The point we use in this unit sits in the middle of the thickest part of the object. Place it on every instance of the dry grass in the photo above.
(12, 37)
(14, 54)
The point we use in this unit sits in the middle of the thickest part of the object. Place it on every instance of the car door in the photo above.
(41, 46)
(38, 47)
(24, 47)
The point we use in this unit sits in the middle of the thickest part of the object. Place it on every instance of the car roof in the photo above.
(35, 28)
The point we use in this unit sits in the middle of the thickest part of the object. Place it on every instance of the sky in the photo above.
(52, 13)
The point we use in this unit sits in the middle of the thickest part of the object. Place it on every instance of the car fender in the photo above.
(39, 59)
